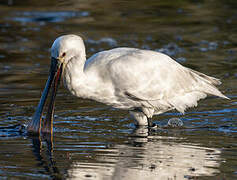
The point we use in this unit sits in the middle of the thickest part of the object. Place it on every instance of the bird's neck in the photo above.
(74, 78)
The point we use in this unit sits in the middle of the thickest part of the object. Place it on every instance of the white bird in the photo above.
(144, 82)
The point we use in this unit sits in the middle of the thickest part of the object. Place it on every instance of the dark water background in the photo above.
(93, 141)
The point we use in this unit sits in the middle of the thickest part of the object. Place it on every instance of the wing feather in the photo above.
(159, 81)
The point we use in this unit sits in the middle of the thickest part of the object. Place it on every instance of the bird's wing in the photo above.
(154, 77)
(148, 75)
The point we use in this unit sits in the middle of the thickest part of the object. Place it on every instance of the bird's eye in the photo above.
(64, 54)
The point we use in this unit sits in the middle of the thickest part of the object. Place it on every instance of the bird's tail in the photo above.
(209, 83)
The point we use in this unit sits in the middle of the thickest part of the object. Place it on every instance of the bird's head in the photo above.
(67, 46)
(63, 50)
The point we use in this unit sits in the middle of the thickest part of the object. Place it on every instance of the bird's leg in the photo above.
(139, 117)
(150, 122)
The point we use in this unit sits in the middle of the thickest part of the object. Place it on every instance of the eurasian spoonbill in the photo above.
(144, 82)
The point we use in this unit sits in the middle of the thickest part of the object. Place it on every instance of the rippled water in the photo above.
(93, 141)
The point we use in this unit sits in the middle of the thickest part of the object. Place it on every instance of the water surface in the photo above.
(93, 141)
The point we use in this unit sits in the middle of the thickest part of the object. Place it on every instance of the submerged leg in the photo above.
(150, 122)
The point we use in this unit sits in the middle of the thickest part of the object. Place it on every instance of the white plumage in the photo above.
(142, 81)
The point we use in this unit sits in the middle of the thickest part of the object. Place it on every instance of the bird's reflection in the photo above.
(151, 157)
(140, 136)
(144, 156)
(45, 155)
